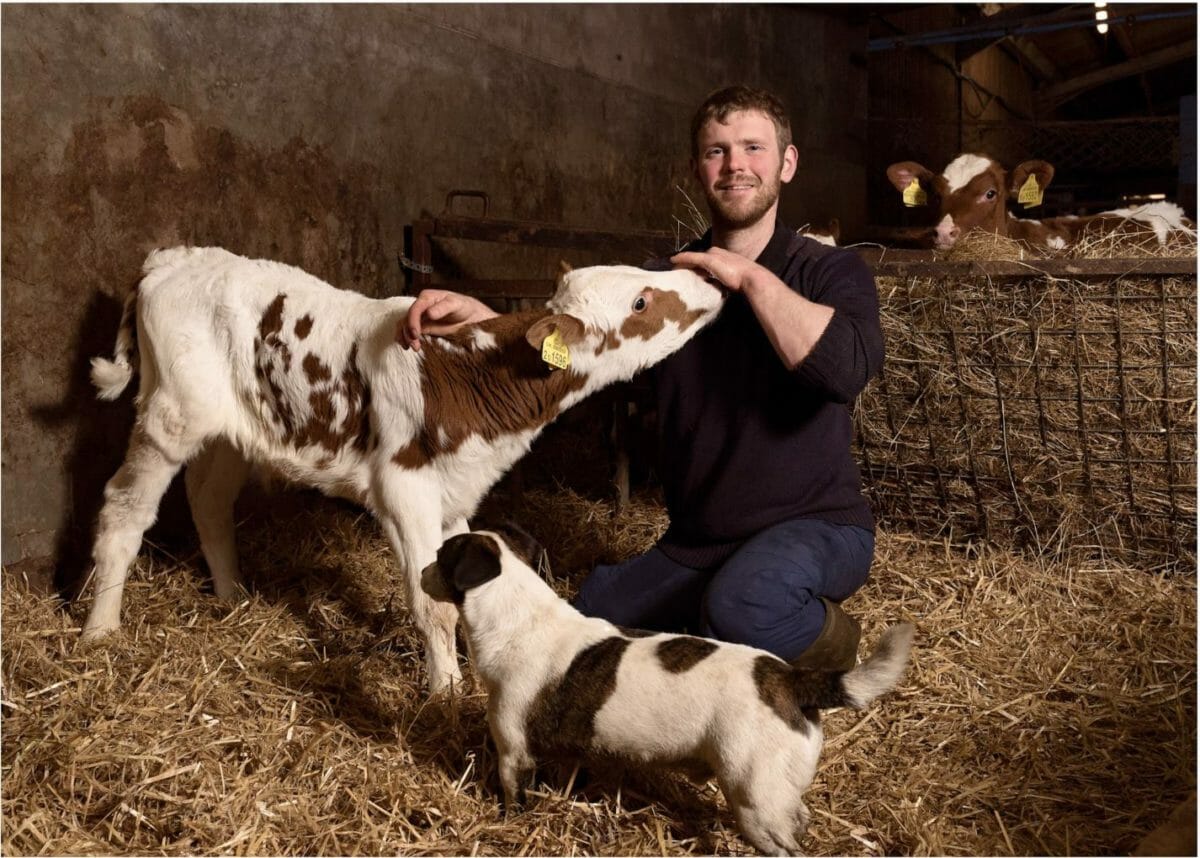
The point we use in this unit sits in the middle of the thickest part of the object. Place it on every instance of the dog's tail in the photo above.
(112, 376)
(856, 688)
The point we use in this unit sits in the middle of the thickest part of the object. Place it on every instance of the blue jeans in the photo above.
(765, 595)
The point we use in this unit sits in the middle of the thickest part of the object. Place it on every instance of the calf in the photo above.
(558, 682)
(247, 361)
(973, 191)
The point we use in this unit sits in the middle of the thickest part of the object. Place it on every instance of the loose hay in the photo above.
(1050, 709)
(1050, 413)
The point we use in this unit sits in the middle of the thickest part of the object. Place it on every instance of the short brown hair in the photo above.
(722, 102)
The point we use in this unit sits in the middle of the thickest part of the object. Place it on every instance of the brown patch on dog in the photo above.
(637, 633)
(520, 542)
(663, 307)
(563, 715)
(304, 326)
(682, 653)
(486, 392)
(796, 695)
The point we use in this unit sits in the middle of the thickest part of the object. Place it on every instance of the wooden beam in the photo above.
(1027, 53)
(1124, 37)
(1053, 96)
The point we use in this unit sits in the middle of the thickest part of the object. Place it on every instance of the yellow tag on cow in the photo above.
(1031, 193)
(555, 351)
(914, 194)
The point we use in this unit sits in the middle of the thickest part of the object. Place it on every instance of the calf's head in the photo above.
(970, 192)
(616, 320)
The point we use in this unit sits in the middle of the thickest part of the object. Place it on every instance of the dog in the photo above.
(560, 683)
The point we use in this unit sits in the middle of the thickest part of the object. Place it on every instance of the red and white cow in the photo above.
(253, 362)
(973, 191)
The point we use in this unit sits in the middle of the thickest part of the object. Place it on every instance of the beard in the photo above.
(741, 213)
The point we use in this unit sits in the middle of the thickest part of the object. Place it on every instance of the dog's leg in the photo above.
(516, 764)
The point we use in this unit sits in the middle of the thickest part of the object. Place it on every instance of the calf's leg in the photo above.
(131, 501)
(214, 479)
(409, 510)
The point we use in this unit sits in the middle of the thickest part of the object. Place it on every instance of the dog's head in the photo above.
(470, 560)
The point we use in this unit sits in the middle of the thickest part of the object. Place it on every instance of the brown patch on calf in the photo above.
(662, 307)
(315, 370)
(312, 420)
(486, 392)
(682, 653)
(563, 715)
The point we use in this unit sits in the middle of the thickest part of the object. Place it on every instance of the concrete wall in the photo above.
(314, 134)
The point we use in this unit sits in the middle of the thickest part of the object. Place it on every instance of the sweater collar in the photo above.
(774, 255)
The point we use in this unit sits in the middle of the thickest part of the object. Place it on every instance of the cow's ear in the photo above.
(902, 173)
(569, 328)
(1042, 172)
(469, 559)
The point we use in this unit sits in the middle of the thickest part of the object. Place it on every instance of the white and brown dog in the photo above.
(559, 682)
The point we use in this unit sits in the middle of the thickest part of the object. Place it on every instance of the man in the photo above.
(769, 528)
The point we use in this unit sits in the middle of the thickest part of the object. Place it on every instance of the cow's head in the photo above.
(971, 192)
(617, 320)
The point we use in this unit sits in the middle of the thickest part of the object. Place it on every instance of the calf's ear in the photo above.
(1042, 171)
(469, 559)
(902, 173)
(569, 328)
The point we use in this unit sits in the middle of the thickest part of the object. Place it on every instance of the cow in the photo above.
(251, 362)
(973, 190)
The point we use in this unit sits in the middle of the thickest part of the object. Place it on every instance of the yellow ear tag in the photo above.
(914, 195)
(555, 351)
(1030, 194)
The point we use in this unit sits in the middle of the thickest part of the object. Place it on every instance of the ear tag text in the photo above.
(555, 351)
(1030, 194)
(914, 194)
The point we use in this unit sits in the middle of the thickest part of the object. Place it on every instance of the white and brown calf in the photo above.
(247, 362)
(562, 683)
(973, 191)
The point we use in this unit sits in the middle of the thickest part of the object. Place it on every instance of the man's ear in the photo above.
(569, 328)
(1042, 172)
(469, 559)
(902, 173)
(791, 163)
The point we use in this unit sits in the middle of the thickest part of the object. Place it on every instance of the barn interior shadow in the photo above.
(97, 450)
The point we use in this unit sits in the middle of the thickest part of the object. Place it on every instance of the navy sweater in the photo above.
(745, 442)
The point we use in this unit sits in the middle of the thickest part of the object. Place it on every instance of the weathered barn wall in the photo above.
(922, 97)
(312, 134)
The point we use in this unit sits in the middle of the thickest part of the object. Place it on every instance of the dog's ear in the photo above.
(469, 559)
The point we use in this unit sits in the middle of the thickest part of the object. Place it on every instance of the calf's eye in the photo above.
(991, 194)
(639, 304)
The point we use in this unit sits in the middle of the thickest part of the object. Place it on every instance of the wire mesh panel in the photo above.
(1055, 414)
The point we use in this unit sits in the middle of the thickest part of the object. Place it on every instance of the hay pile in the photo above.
(1049, 710)
(1055, 414)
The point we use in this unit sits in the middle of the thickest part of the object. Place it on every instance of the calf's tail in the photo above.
(112, 376)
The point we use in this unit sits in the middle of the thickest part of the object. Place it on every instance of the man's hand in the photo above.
(735, 271)
(793, 323)
(439, 312)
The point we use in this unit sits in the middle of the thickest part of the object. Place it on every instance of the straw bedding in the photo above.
(1049, 710)
(1050, 413)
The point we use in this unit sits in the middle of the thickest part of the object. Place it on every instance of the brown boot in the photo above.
(836, 647)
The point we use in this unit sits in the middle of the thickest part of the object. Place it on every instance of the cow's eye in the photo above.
(991, 194)
(639, 304)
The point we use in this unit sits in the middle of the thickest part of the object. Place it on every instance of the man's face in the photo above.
(741, 168)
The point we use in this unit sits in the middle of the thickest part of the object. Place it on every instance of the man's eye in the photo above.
(639, 304)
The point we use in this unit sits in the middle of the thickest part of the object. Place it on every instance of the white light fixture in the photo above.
(1101, 18)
